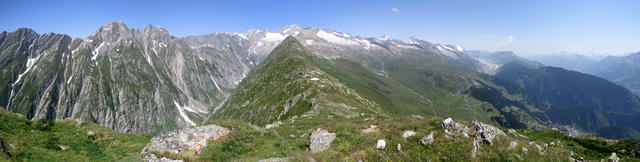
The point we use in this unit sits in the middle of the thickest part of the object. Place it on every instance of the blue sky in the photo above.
(526, 27)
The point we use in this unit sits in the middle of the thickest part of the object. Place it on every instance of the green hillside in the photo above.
(43, 140)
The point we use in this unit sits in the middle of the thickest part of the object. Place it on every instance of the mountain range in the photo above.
(148, 81)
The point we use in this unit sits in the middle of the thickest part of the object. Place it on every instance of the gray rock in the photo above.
(512, 145)
(453, 128)
(428, 139)
(399, 147)
(371, 129)
(91, 133)
(381, 144)
(613, 158)
(515, 133)
(525, 150)
(185, 139)
(486, 133)
(321, 140)
(476, 146)
(408, 133)
(540, 149)
(154, 158)
(277, 159)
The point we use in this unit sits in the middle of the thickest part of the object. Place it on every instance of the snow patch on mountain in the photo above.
(332, 38)
(184, 115)
(30, 64)
(273, 37)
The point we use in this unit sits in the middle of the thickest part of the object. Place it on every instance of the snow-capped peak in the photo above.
(385, 37)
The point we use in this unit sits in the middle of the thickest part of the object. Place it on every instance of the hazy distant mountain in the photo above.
(576, 62)
(623, 70)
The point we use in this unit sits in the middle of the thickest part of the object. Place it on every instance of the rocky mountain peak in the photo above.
(291, 30)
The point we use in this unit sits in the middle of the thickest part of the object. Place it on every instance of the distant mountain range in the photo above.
(622, 70)
(147, 81)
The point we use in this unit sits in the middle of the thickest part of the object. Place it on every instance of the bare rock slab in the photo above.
(186, 139)
(321, 140)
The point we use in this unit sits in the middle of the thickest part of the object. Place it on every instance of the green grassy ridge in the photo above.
(39, 140)
(282, 87)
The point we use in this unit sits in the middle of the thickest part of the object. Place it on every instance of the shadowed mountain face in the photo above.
(566, 97)
(147, 81)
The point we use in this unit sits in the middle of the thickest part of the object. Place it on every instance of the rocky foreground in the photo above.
(194, 140)
(189, 139)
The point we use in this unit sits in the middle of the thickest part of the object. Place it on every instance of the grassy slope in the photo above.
(248, 144)
(40, 140)
(269, 92)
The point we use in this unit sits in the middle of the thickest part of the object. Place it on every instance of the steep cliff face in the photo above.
(138, 81)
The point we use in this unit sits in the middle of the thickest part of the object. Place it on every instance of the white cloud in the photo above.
(506, 41)
(395, 10)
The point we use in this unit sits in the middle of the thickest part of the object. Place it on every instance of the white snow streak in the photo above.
(184, 116)
(30, 63)
(69, 81)
(96, 51)
(216, 84)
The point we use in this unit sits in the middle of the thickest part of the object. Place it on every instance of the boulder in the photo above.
(408, 133)
(525, 150)
(399, 147)
(321, 140)
(371, 129)
(613, 158)
(186, 139)
(512, 145)
(91, 133)
(453, 128)
(381, 144)
(428, 139)
(486, 133)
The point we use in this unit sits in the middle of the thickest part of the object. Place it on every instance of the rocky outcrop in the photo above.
(486, 133)
(321, 140)
(154, 158)
(453, 128)
(187, 139)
